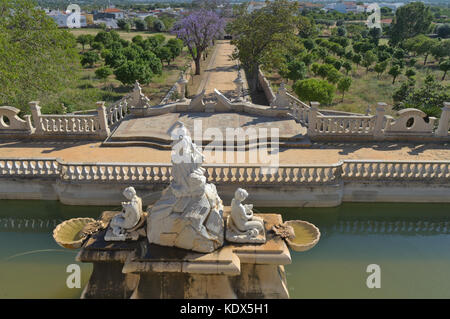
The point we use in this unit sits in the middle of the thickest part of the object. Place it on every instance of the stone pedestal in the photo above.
(143, 270)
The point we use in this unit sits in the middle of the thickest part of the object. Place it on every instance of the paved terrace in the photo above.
(318, 153)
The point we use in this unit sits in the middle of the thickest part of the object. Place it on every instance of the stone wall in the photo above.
(285, 186)
(265, 85)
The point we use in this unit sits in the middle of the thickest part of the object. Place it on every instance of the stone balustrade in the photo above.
(23, 167)
(132, 173)
(116, 112)
(398, 170)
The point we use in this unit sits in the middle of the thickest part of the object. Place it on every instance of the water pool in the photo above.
(410, 243)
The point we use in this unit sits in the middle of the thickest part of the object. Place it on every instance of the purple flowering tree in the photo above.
(198, 30)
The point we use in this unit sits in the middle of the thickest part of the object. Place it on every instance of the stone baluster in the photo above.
(103, 122)
(312, 118)
(36, 115)
(239, 85)
(444, 121)
(182, 82)
(378, 131)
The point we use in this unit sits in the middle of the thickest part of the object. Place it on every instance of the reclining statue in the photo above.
(130, 215)
(242, 225)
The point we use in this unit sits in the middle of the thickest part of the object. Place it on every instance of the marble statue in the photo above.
(242, 225)
(189, 213)
(129, 217)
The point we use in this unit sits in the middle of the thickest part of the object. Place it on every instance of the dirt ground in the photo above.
(319, 153)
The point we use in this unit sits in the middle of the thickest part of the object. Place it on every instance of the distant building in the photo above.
(71, 18)
(255, 5)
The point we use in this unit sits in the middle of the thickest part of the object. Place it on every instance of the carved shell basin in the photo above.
(69, 233)
(307, 235)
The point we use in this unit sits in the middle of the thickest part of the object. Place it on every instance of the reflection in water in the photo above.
(410, 242)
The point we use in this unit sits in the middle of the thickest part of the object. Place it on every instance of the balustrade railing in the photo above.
(402, 170)
(77, 124)
(116, 112)
(342, 125)
(229, 174)
(44, 167)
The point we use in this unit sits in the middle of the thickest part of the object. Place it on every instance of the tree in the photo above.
(444, 66)
(375, 35)
(306, 28)
(296, 70)
(410, 73)
(380, 68)
(344, 85)
(164, 54)
(443, 31)
(314, 90)
(150, 20)
(441, 49)
(394, 71)
(103, 72)
(197, 31)
(175, 46)
(347, 66)
(131, 71)
(37, 59)
(334, 76)
(263, 35)
(324, 70)
(89, 58)
(140, 25)
(124, 25)
(368, 59)
(159, 26)
(410, 20)
(83, 39)
(357, 59)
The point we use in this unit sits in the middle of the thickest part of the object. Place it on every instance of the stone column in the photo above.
(312, 116)
(182, 82)
(36, 114)
(101, 114)
(378, 132)
(444, 121)
(239, 85)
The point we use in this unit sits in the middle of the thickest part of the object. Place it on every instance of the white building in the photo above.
(71, 18)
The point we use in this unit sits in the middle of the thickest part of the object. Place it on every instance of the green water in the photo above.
(410, 243)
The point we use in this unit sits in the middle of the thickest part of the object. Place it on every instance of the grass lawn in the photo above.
(367, 89)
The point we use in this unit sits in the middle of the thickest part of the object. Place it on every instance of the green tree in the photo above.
(103, 72)
(410, 20)
(140, 25)
(164, 54)
(347, 66)
(357, 59)
(444, 66)
(263, 35)
(296, 70)
(324, 70)
(36, 58)
(441, 49)
(175, 46)
(334, 76)
(368, 59)
(314, 90)
(410, 73)
(159, 26)
(150, 20)
(380, 68)
(394, 71)
(132, 71)
(83, 39)
(88, 59)
(306, 27)
(443, 31)
(344, 85)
